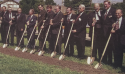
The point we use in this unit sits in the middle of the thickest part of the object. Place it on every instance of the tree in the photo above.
(26, 5)
(50, 2)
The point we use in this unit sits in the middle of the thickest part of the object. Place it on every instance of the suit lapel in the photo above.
(122, 23)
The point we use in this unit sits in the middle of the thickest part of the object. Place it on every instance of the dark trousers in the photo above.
(41, 39)
(53, 42)
(80, 43)
(70, 46)
(19, 35)
(12, 30)
(6, 28)
(32, 40)
(98, 44)
(118, 51)
(2, 32)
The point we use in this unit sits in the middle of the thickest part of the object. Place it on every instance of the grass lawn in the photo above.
(29, 68)
(14, 65)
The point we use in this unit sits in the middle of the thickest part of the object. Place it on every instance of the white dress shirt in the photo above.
(107, 11)
(69, 16)
(120, 22)
(96, 16)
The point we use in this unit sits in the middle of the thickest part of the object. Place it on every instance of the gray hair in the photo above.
(82, 5)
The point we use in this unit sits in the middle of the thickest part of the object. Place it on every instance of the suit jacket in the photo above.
(7, 18)
(56, 23)
(3, 15)
(32, 21)
(119, 35)
(41, 17)
(68, 23)
(20, 22)
(80, 26)
(50, 16)
(110, 19)
(90, 21)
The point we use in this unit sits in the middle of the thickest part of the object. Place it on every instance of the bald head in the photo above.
(96, 7)
(119, 13)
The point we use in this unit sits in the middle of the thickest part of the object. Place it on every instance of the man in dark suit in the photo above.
(20, 26)
(80, 31)
(108, 18)
(31, 23)
(118, 33)
(50, 15)
(69, 18)
(9, 19)
(41, 17)
(12, 29)
(55, 26)
(3, 13)
(98, 32)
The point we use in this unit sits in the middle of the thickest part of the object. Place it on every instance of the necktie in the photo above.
(105, 15)
(117, 25)
(78, 17)
(68, 18)
(10, 16)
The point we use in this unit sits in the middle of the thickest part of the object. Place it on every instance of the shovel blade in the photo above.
(53, 54)
(17, 48)
(24, 50)
(41, 53)
(98, 66)
(5, 45)
(90, 60)
(32, 51)
(61, 57)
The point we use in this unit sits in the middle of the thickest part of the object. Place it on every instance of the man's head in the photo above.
(81, 8)
(49, 8)
(57, 9)
(4, 8)
(119, 13)
(107, 4)
(40, 7)
(69, 10)
(31, 11)
(19, 10)
(96, 7)
(10, 9)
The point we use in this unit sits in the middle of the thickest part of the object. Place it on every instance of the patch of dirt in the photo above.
(54, 61)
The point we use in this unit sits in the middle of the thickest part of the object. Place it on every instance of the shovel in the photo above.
(5, 45)
(54, 52)
(33, 51)
(91, 59)
(42, 51)
(98, 65)
(63, 55)
(18, 48)
(25, 49)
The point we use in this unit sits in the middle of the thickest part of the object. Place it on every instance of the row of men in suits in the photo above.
(105, 20)
(103, 27)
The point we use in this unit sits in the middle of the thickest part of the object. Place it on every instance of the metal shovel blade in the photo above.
(53, 54)
(5, 45)
(98, 66)
(32, 51)
(90, 60)
(41, 53)
(61, 57)
(17, 48)
(24, 50)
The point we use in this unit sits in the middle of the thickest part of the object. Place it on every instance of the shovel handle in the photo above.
(58, 35)
(31, 35)
(38, 36)
(22, 36)
(8, 34)
(92, 40)
(68, 38)
(46, 37)
(106, 46)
